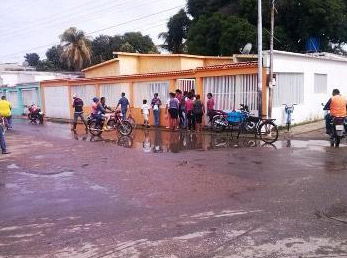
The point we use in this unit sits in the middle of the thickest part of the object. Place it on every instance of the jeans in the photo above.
(156, 114)
(2, 139)
(77, 115)
(124, 113)
(8, 121)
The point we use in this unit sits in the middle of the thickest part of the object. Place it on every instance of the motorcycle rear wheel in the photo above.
(217, 124)
(95, 129)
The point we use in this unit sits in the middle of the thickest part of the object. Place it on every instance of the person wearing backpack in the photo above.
(77, 104)
(198, 112)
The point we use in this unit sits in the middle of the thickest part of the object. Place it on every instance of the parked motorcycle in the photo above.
(35, 114)
(116, 123)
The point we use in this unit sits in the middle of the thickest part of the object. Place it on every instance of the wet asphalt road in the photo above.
(163, 194)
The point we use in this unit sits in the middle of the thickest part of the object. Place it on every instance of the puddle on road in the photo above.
(161, 141)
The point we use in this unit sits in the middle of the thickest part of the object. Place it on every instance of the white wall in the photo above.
(12, 78)
(57, 102)
(311, 109)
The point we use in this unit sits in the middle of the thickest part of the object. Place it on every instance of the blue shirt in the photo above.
(123, 102)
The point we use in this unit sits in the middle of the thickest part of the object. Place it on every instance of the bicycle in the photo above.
(289, 109)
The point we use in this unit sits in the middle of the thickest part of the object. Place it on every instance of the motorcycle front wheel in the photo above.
(124, 128)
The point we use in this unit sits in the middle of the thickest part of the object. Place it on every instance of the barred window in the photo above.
(112, 92)
(146, 90)
(231, 91)
(85, 92)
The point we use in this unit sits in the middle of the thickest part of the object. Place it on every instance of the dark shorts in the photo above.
(198, 118)
(173, 113)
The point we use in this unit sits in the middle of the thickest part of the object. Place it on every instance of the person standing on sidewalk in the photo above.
(124, 105)
(2, 138)
(156, 103)
(77, 104)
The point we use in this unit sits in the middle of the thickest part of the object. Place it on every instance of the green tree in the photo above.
(296, 21)
(32, 59)
(54, 56)
(140, 44)
(204, 35)
(77, 51)
(174, 39)
(103, 47)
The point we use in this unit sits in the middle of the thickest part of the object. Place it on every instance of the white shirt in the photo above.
(145, 109)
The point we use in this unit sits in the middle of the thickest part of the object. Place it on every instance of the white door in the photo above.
(57, 102)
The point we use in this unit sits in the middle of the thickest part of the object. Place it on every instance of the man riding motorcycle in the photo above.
(337, 106)
(107, 115)
(97, 110)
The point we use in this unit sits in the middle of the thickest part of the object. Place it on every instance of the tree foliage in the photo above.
(77, 51)
(32, 59)
(140, 44)
(174, 39)
(226, 25)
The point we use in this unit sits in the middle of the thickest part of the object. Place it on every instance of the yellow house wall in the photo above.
(191, 63)
(159, 64)
(111, 69)
(213, 61)
(129, 65)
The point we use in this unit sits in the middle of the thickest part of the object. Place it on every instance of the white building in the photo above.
(13, 74)
(306, 80)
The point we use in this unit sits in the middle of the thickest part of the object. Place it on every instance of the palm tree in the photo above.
(77, 50)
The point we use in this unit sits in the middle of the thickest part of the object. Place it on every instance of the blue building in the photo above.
(22, 95)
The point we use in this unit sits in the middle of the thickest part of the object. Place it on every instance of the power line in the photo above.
(137, 19)
(93, 32)
(61, 21)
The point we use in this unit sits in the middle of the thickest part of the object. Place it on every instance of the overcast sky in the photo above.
(29, 26)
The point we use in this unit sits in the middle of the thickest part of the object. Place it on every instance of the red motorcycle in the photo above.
(116, 122)
(35, 114)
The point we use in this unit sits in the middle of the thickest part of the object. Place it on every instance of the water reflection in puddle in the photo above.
(159, 141)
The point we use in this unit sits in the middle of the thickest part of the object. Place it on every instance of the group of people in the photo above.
(184, 110)
(99, 110)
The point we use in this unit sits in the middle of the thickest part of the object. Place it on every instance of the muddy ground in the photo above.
(170, 194)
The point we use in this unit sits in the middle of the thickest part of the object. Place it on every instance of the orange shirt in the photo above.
(338, 106)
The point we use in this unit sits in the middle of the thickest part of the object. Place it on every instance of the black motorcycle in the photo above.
(337, 130)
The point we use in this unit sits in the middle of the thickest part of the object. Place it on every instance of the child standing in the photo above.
(145, 112)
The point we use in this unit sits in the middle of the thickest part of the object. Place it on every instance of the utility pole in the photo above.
(271, 82)
(260, 58)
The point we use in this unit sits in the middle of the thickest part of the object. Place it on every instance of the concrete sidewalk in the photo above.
(305, 128)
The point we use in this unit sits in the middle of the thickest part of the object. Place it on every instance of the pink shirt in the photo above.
(189, 105)
(94, 108)
(210, 104)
